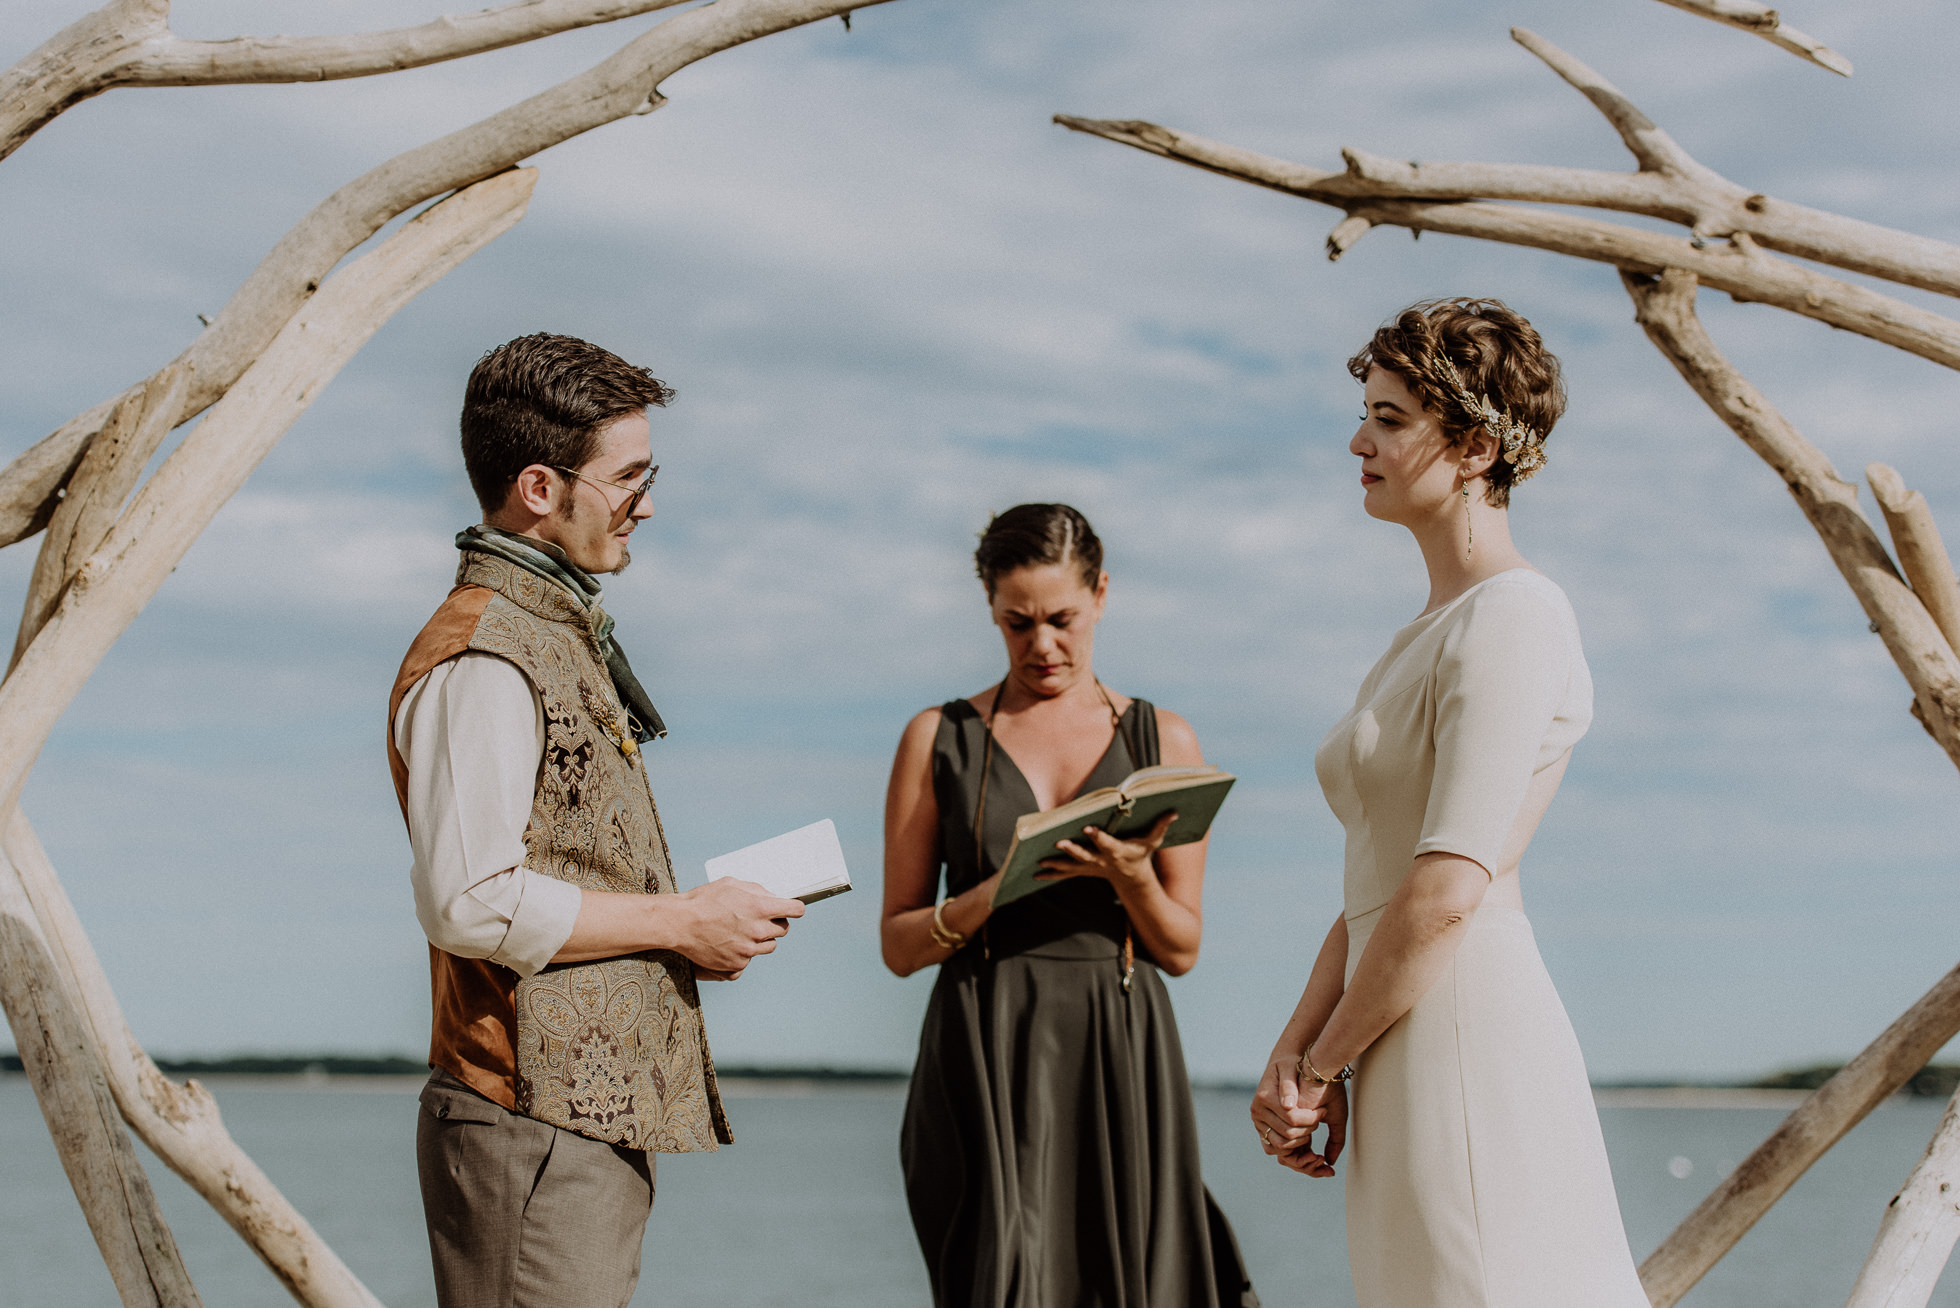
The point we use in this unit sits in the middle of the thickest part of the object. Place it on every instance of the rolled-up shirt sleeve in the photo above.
(472, 734)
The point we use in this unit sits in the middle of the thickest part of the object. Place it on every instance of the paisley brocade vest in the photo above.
(613, 1049)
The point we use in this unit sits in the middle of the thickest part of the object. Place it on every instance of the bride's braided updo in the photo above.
(1506, 382)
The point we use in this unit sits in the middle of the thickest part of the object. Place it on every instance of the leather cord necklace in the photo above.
(980, 815)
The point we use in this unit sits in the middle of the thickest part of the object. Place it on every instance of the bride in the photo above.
(1476, 1176)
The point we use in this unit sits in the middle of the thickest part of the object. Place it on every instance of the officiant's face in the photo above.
(1048, 615)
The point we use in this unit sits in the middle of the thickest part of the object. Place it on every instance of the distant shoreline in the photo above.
(386, 1071)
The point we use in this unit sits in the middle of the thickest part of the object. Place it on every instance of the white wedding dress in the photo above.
(1476, 1175)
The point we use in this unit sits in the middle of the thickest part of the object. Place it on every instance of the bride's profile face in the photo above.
(1409, 469)
(1048, 615)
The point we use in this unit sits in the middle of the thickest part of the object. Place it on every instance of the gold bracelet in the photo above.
(1306, 1065)
(942, 935)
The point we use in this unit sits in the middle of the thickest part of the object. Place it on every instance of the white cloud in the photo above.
(894, 298)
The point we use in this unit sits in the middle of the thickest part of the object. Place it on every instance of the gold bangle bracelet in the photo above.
(942, 935)
(1306, 1065)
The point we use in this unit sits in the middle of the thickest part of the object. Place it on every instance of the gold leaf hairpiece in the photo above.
(1523, 448)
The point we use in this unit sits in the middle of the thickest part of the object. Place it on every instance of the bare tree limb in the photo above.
(1737, 267)
(1670, 184)
(179, 1122)
(1656, 151)
(624, 84)
(129, 43)
(61, 1064)
(1916, 540)
(1346, 232)
(1665, 307)
(1920, 1226)
(1726, 1215)
(96, 491)
(214, 460)
(1712, 211)
(104, 596)
(1768, 24)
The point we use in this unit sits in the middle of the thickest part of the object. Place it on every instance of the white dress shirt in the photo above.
(472, 734)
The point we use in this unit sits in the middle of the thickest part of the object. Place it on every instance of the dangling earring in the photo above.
(1469, 525)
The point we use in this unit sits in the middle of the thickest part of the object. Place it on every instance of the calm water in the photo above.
(807, 1211)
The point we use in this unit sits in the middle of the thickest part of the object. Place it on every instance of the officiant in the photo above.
(567, 1045)
(1049, 1144)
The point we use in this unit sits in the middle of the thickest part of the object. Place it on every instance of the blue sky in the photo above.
(894, 298)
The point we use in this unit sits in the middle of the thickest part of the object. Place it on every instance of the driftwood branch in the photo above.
(624, 84)
(97, 489)
(1665, 307)
(1916, 541)
(1654, 149)
(104, 595)
(60, 1060)
(1725, 1216)
(1921, 1224)
(1736, 266)
(179, 1122)
(129, 43)
(1670, 184)
(1768, 24)
(108, 590)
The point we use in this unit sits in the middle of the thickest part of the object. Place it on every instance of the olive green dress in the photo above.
(1050, 1146)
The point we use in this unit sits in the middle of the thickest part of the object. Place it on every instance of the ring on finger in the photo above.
(1266, 1134)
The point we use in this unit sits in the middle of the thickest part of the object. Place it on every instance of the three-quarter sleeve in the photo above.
(1503, 671)
(472, 735)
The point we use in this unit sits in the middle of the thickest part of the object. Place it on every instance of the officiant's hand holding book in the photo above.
(1190, 796)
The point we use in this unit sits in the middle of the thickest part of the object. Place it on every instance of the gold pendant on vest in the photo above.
(612, 721)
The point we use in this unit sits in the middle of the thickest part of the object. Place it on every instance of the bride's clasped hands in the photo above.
(1288, 1109)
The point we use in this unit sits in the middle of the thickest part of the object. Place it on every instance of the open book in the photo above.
(805, 864)
(1125, 811)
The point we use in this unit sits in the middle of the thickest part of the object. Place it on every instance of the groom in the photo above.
(567, 1045)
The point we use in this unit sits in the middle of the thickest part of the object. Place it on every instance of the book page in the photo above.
(805, 864)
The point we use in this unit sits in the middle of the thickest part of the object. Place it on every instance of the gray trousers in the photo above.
(522, 1214)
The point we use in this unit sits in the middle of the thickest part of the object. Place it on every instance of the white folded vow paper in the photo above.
(805, 864)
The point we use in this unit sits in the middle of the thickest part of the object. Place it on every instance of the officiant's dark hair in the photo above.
(1037, 535)
(543, 399)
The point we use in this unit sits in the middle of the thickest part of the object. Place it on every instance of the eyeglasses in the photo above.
(638, 492)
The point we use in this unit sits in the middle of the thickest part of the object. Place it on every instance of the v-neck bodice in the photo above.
(1034, 804)
(959, 752)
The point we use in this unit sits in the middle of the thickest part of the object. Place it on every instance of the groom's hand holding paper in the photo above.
(805, 864)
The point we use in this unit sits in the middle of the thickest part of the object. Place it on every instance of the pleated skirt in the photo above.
(1050, 1146)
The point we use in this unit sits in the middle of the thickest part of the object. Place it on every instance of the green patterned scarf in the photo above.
(546, 560)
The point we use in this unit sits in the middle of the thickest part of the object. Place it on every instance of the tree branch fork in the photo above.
(1668, 184)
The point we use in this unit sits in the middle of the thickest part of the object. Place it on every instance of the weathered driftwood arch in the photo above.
(259, 363)
(1734, 242)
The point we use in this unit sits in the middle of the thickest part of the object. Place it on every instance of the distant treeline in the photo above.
(1935, 1080)
(266, 1065)
(402, 1065)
